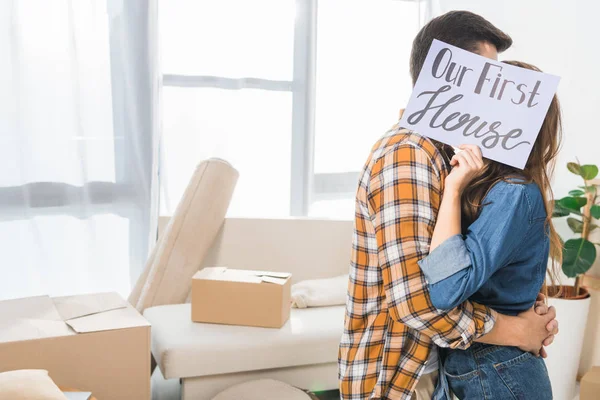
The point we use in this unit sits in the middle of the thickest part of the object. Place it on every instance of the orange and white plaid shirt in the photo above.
(390, 324)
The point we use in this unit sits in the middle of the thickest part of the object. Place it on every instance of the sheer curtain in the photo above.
(78, 144)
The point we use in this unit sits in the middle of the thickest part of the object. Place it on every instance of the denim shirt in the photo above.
(501, 260)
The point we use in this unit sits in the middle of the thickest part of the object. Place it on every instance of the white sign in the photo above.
(463, 98)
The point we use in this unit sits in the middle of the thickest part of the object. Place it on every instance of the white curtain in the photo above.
(78, 144)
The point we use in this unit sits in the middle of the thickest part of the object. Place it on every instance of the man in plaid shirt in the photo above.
(391, 333)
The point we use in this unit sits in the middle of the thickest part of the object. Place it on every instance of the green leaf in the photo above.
(576, 193)
(589, 172)
(578, 257)
(575, 225)
(595, 211)
(559, 211)
(574, 168)
(572, 203)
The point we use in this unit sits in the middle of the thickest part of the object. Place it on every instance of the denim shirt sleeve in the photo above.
(462, 264)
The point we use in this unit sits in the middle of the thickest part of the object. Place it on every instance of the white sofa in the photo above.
(208, 358)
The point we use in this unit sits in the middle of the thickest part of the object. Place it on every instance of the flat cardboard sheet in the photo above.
(70, 307)
(107, 321)
(30, 318)
(44, 317)
(39, 307)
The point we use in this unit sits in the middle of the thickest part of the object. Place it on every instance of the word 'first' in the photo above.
(443, 66)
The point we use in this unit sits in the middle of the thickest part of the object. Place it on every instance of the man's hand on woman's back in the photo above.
(537, 328)
(530, 331)
(541, 308)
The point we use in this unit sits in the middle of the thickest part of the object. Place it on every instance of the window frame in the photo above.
(305, 186)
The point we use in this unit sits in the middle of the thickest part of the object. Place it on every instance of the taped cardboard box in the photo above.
(241, 297)
(96, 343)
(590, 385)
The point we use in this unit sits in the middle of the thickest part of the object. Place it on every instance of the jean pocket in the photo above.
(526, 377)
(514, 361)
(465, 386)
(462, 377)
(460, 365)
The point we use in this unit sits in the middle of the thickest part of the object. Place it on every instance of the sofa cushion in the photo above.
(184, 348)
(187, 238)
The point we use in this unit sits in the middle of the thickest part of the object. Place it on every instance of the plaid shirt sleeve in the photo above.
(404, 197)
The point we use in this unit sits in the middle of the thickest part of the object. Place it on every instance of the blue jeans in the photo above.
(496, 372)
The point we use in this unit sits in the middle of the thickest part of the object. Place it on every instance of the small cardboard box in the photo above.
(590, 385)
(239, 297)
(96, 343)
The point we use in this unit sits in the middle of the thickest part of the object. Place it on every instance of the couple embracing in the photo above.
(449, 258)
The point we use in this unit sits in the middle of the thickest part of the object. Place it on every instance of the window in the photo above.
(227, 93)
(362, 82)
(249, 128)
(274, 87)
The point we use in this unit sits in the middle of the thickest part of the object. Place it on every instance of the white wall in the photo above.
(560, 37)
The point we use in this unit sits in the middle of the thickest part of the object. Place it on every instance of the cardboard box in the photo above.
(96, 343)
(590, 385)
(240, 297)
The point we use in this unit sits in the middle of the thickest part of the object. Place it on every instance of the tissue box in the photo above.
(96, 343)
(241, 297)
(590, 385)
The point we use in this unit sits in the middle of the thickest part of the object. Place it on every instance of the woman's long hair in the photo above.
(539, 169)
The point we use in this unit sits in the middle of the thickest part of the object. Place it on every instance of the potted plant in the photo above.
(580, 207)
(572, 302)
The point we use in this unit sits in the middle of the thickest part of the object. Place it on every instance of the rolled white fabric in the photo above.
(29, 384)
(262, 389)
(320, 292)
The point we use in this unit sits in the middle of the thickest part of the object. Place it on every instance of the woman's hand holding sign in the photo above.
(467, 165)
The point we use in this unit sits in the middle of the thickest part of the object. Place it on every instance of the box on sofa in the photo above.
(241, 297)
(209, 358)
(96, 342)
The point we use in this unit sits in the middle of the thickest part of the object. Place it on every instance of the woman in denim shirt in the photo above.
(495, 252)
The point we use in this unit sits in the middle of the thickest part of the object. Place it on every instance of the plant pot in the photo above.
(564, 354)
